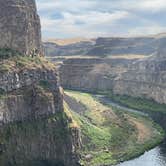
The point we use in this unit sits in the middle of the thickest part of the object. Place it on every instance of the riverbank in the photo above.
(144, 105)
(110, 135)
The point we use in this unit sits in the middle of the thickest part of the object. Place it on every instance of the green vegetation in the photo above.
(6, 53)
(24, 62)
(44, 84)
(138, 103)
(17, 139)
(2, 93)
(110, 135)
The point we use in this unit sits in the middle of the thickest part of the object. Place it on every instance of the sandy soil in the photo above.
(144, 133)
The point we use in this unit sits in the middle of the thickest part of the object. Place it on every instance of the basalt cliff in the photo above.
(20, 26)
(91, 74)
(34, 127)
(143, 77)
(104, 46)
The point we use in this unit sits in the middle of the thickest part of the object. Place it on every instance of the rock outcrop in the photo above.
(80, 48)
(117, 46)
(145, 78)
(92, 74)
(20, 26)
(106, 46)
(34, 129)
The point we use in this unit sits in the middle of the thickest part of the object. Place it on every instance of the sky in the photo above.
(101, 18)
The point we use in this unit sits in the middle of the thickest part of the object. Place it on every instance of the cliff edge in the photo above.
(34, 128)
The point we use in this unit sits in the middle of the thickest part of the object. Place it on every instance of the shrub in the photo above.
(6, 53)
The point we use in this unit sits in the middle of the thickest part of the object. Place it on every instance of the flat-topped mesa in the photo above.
(20, 27)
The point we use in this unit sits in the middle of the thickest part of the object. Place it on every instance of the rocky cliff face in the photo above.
(80, 48)
(117, 46)
(34, 127)
(17, 86)
(20, 26)
(91, 73)
(107, 46)
(145, 78)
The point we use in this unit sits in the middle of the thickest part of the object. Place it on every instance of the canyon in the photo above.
(43, 125)
(103, 46)
(132, 75)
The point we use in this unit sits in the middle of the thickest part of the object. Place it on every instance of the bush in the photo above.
(7, 53)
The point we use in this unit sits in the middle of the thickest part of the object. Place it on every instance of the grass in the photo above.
(108, 135)
(24, 62)
(138, 103)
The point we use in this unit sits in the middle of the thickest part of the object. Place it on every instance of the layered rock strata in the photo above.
(34, 129)
(145, 78)
(20, 26)
(91, 74)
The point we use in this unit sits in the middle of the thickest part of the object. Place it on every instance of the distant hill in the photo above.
(67, 47)
(103, 46)
(63, 42)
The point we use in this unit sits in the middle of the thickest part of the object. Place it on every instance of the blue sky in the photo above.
(94, 18)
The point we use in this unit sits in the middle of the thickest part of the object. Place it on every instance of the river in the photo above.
(154, 157)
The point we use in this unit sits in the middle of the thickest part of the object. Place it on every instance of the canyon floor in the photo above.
(109, 135)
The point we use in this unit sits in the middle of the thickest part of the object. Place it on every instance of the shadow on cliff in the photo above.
(46, 163)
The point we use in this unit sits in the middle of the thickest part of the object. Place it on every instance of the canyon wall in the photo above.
(34, 129)
(20, 26)
(80, 48)
(106, 46)
(91, 74)
(118, 46)
(145, 78)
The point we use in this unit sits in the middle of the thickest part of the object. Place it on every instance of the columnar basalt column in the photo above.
(20, 28)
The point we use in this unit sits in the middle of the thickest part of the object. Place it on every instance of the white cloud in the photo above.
(146, 30)
(135, 5)
(91, 18)
(151, 5)
(83, 24)
(65, 5)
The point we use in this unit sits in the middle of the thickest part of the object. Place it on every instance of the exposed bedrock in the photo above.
(20, 26)
(34, 129)
(104, 46)
(92, 73)
(144, 78)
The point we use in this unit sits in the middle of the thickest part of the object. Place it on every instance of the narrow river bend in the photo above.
(154, 157)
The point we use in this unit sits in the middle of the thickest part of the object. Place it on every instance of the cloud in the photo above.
(151, 5)
(91, 24)
(92, 18)
(146, 30)
(65, 5)
(135, 5)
